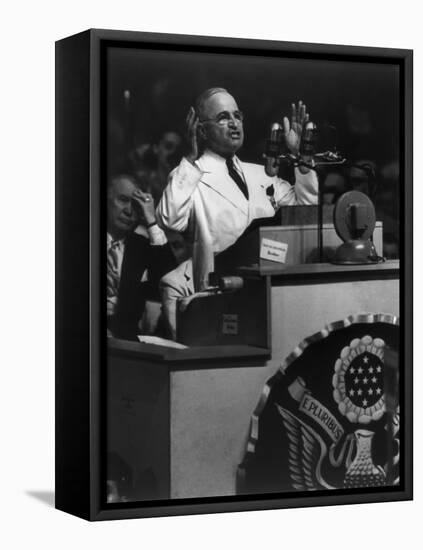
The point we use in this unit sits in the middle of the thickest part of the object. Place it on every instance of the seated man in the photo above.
(215, 196)
(135, 262)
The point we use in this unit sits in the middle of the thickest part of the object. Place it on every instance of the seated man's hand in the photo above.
(145, 203)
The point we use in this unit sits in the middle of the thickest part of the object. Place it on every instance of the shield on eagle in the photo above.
(329, 418)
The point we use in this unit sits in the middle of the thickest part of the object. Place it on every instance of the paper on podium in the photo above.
(144, 339)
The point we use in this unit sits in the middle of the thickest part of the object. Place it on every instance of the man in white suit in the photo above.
(214, 195)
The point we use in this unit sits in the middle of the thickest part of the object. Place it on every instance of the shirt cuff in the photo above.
(156, 235)
(307, 179)
(185, 160)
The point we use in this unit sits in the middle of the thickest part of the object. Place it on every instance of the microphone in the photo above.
(274, 147)
(227, 283)
(309, 140)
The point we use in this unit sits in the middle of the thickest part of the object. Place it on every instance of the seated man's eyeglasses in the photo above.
(225, 117)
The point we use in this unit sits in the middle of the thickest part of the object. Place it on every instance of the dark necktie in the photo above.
(236, 177)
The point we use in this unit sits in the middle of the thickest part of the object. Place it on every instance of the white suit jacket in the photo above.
(204, 199)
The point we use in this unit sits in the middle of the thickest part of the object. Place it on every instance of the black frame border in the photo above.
(90, 503)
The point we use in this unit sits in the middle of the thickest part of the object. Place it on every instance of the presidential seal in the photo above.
(329, 418)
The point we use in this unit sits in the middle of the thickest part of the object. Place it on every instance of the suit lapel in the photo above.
(259, 204)
(215, 175)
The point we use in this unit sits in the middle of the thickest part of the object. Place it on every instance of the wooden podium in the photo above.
(179, 418)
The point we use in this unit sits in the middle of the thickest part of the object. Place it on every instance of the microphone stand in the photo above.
(320, 220)
(328, 158)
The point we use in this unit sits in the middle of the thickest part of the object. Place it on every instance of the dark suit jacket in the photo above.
(139, 255)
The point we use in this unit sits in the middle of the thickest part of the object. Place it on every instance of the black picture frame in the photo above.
(80, 312)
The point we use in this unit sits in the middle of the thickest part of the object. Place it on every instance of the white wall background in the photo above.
(27, 36)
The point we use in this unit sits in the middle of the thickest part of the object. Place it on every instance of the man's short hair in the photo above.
(114, 179)
(204, 97)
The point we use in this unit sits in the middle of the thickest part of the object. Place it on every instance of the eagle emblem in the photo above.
(330, 417)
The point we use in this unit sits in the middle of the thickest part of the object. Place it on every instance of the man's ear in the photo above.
(201, 132)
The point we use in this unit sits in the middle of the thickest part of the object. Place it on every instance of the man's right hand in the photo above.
(191, 134)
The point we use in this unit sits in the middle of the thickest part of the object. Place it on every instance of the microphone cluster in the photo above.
(277, 151)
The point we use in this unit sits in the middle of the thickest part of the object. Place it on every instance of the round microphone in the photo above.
(308, 139)
(231, 283)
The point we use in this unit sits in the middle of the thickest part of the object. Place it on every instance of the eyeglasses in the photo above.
(225, 117)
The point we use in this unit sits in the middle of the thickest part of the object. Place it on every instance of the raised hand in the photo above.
(145, 203)
(191, 134)
(293, 128)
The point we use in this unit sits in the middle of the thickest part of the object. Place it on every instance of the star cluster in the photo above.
(364, 380)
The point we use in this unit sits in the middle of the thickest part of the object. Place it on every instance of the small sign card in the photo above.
(273, 250)
(230, 324)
